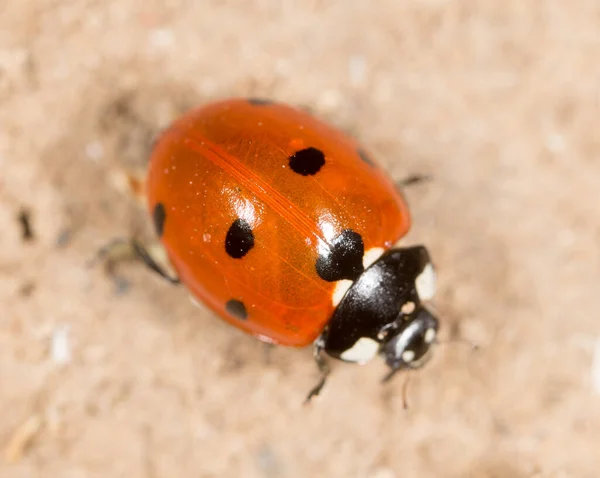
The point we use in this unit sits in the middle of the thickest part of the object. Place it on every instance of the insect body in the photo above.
(285, 227)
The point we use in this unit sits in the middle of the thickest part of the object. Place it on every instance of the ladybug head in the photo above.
(409, 346)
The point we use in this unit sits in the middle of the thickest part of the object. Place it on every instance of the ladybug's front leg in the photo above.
(323, 369)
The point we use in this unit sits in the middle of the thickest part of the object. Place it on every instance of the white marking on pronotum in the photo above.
(372, 255)
(429, 336)
(408, 356)
(362, 351)
(425, 283)
(341, 287)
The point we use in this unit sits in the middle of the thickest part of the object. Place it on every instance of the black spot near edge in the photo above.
(159, 215)
(239, 239)
(344, 259)
(365, 157)
(237, 309)
(260, 101)
(307, 162)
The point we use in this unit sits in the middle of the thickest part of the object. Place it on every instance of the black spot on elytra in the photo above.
(344, 259)
(365, 157)
(159, 215)
(307, 161)
(239, 239)
(260, 101)
(237, 309)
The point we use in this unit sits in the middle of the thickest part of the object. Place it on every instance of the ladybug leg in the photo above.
(407, 376)
(152, 260)
(413, 179)
(323, 369)
(121, 250)
(388, 376)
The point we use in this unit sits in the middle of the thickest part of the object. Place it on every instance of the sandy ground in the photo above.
(498, 100)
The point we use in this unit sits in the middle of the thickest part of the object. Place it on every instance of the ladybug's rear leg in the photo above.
(120, 250)
(323, 369)
(152, 256)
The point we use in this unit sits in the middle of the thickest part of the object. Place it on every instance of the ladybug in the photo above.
(286, 228)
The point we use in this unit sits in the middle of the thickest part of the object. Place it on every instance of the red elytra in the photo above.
(230, 161)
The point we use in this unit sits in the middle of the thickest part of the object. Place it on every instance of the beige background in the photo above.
(498, 100)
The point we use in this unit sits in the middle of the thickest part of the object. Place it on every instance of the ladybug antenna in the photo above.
(454, 340)
(459, 340)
